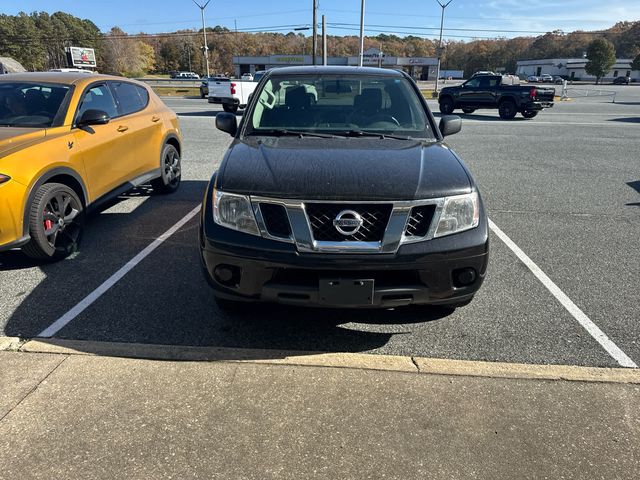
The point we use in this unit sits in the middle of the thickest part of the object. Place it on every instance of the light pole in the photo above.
(315, 32)
(361, 34)
(443, 6)
(324, 41)
(304, 40)
(204, 33)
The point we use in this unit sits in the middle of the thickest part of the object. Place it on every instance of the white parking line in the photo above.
(530, 123)
(612, 349)
(600, 337)
(56, 326)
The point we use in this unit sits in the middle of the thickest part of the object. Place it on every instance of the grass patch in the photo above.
(177, 92)
(429, 94)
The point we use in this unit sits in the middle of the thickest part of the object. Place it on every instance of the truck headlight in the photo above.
(459, 213)
(234, 211)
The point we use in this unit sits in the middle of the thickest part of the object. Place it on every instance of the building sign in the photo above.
(288, 59)
(417, 61)
(81, 57)
(372, 56)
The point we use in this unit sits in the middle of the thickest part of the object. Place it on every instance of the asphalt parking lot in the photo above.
(563, 187)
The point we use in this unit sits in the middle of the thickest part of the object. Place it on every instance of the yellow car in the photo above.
(69, 142)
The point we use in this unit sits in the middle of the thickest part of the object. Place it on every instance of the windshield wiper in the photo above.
(283, 132)
(380, 135)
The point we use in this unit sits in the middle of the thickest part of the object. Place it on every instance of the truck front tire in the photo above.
(446, 105)
(507, 109)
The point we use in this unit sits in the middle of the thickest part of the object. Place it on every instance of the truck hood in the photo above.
(342, 169)
(14, 138)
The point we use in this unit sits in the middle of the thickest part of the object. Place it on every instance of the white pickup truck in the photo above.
(232, 94)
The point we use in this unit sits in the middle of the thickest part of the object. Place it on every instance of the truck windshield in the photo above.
(339, 104)
(30, 104)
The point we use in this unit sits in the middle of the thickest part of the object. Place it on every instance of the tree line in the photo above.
(38, 40)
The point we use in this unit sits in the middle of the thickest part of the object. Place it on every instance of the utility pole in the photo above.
(235, 38)
(361, 34)
(204, 33)
(443, 6)
(324, 41)
(315, 31)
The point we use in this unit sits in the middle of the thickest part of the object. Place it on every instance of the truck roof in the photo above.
(335, 70)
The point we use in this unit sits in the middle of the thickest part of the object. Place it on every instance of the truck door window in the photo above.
(488, 82)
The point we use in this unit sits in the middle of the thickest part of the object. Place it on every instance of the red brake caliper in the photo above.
(48, 224)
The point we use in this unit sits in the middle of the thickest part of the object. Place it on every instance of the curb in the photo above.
(360, 361)
(11, 344)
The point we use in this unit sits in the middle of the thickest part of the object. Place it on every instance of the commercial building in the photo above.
(9, 65)
(420, 68)
(574, 68)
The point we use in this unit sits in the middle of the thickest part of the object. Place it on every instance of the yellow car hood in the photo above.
(15, 138)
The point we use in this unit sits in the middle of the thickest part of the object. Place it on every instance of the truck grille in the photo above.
(375, 218)
(276, 220)
(419, 221)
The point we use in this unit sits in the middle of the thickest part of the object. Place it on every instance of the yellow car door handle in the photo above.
(123, 128)
(155, 118)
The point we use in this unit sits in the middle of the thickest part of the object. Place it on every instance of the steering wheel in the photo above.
(384, 118)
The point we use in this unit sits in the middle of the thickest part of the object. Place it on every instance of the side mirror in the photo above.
(450, 124)
(93, 117)
(227, 122)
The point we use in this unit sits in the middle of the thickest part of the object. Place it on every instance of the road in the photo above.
(563, 187)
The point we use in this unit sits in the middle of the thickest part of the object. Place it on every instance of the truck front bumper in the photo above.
(447, 270)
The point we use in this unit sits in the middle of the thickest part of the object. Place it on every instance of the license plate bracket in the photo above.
(346, 291)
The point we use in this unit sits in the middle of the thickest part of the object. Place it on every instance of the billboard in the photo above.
(81, 57)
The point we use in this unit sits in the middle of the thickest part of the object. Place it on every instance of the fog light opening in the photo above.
(228, 275)
(464, 277)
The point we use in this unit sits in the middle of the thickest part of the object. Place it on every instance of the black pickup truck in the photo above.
(496, 91)
(338, 191)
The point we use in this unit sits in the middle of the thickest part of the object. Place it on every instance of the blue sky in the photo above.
(467, 18)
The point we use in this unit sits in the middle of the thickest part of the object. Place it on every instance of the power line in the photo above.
(378, 29)
(422, 35)
(171, 22)
(274, 29)
(596, 32)
(503, 19)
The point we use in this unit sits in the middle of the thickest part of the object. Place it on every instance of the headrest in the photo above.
(296, 97)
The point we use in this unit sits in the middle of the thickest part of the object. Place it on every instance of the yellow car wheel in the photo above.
(56, 218)
(171, 170)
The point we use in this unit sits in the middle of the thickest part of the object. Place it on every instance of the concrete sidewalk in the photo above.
(66, 415)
